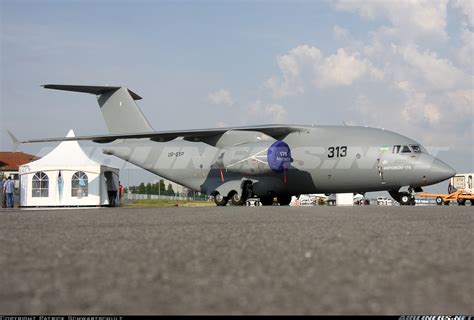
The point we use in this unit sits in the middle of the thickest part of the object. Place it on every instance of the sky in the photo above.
(406, 66)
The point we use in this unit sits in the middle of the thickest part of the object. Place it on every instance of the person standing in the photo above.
(9, 188)
(4, 196)
(120, 190)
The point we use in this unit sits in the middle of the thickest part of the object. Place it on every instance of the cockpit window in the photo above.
(396, 149)
(416, 148)
(406, 149)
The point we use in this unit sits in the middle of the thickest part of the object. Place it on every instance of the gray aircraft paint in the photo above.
(348, 174)
(325, 159)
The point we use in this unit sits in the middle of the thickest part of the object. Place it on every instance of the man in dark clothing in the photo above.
(4, 197)
(9, 188)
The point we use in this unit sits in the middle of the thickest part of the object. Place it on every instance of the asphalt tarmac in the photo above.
(238, 260)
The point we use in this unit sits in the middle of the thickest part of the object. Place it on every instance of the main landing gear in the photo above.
(240, 199)
(220, 200)
(236, 198)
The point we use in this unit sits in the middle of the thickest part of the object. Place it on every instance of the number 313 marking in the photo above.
(338, 152)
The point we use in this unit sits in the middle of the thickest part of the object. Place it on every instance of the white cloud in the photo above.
(417, 110)
(303, 65)
(467, 8)
(221, 98)
(462, 102)
(438, 73)
(293, 66)
(282, 87)
(417, 87)
(464, 55)
(412, 19)
(421, 85)
(266, 113)
(342, 69)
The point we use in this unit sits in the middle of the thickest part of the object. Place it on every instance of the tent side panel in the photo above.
(24, 187)
(67, 198)
(61, 196)
(27, 191)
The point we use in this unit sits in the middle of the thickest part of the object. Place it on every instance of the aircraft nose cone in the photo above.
(440, 171)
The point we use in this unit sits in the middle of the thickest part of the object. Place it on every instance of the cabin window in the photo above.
(79, 185)
(406, 149)
(396, 149)
(469, 183)
(415, 148)
(40, 187)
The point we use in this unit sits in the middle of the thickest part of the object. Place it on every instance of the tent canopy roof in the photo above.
(67, 154)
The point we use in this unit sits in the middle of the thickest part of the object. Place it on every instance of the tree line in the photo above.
(158, 188)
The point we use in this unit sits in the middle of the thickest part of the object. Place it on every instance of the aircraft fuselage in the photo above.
(324, 159)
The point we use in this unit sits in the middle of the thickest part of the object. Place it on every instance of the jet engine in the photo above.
(257, 158)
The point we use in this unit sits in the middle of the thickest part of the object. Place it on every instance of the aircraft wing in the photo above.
(275, 131)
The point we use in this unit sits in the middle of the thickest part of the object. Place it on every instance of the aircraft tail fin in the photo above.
(120, 112)
(16, 143)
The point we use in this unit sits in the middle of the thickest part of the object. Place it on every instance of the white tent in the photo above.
(67, 176)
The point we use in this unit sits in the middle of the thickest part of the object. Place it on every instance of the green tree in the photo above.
(170, 190)
(148, 188)
(162, 187)
(141, 188)
(154, 188)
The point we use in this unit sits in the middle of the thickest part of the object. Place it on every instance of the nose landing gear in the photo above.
(404, 198)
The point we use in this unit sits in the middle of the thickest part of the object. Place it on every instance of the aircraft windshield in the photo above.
(406, 149)
(412, 148)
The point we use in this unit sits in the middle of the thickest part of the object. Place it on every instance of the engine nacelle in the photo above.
(257, 158)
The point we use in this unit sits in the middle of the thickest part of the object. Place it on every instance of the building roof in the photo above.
(11, 161)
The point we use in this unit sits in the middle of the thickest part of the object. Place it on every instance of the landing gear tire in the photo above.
(266, 201)
(237, 199)
(406, 199)
(439, 201)
(462, 202)
(284, 200)
(220, 200)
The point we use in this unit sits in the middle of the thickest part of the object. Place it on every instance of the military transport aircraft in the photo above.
(267, 161)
